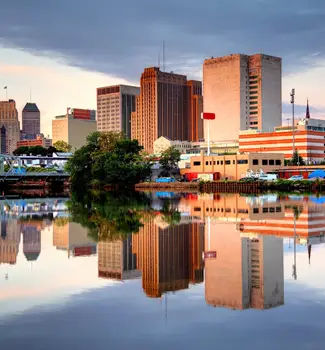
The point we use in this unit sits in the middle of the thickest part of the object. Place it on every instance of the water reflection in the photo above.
(233, 245)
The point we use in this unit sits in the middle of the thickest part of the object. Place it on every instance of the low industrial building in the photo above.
(232, 167)
(309, 140)
(40, 140)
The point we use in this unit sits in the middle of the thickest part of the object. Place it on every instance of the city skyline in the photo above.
(33, 58)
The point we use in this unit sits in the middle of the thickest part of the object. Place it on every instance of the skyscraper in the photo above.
(114, 107)
(166, 107)
(9, 119)
(31, 119)
(244, 92)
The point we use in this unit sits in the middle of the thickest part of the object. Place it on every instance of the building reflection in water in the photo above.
(233, 244)
(72, 237)
(116, 259)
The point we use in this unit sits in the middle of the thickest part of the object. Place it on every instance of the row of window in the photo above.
(220, 162)
(267, 210)
(267, 162)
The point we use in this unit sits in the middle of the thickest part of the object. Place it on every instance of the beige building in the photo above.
(114, 107)
(9, 119)
(163, 143)
(244, 92)
(234, 167)
(74, 131)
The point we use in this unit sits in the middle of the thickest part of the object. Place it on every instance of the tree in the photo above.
(62, 146)
(34, 150)
(169, 159)
(108, 159)
(296, 159)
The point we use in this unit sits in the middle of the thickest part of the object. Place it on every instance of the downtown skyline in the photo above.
(33, 57)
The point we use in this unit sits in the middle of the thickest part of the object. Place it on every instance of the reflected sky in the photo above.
(203, 270)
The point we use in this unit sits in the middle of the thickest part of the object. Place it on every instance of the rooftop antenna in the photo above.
(163, 48)
(30, 94)
(159, 58)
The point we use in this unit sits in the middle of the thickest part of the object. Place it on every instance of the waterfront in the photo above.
(202, 270)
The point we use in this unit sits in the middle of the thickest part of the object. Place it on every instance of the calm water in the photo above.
(202, 271)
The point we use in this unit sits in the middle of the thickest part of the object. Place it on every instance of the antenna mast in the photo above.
(163, 67)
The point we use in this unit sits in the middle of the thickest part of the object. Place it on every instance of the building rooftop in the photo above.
(30, 107)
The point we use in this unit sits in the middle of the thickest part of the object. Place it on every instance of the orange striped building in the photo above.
(309, 137)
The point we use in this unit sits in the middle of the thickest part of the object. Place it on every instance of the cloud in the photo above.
(120, 38)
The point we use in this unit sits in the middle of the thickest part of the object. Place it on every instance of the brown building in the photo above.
(40, 140)
(9, 241)
(9, 119)
(170, 257)
(168, 105)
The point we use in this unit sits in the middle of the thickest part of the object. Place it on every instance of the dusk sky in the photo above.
(62, 50)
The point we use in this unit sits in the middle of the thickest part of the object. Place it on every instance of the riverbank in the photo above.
(304, 186)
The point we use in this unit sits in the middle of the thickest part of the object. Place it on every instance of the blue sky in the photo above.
(63, 50)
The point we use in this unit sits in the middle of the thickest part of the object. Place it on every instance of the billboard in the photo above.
(79, 113)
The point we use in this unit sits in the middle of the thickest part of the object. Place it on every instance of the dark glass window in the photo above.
(255, 161)
(196, 163)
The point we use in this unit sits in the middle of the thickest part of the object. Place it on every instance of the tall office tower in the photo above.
(195, 109)
(9, 119)
(114, 107)
(244, 92)
(163, 108)
(31, 119)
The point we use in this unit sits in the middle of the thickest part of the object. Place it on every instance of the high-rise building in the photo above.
(9, 119)
(244, 92)
(31, 242)
(114, 107)
(169, 106)
(74, 126)
(195, 109)
(31, 119)
(3, 140)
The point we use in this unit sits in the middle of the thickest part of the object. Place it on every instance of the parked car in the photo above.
(296, 178)
(247, 179)
(165, 179)
(268, 177)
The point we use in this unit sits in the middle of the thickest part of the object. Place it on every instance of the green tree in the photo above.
(62, 146)
(21, 150)
(108, 159)
(169, 159)
(34, 150)
(296, 159)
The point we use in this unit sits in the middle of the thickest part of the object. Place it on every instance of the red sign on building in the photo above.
(81, 113)
(208, 116)
(212, 254)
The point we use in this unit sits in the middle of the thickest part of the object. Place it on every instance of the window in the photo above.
(197, 209)
(278, 209)
(206, 163)
(253, 82)
(253, 87)
(271, 162)
(253, 102)
(264, 161)
(233, 162)
(221, 162)
(272, 210)
(227, 162)
(217, 162)
(255, 161)
(255, 210)
(210, 162)
(214, 162)
(253, 113)
(242, 161)
(253, 97)
(278, 162)
(196, 163)
(265, 210)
